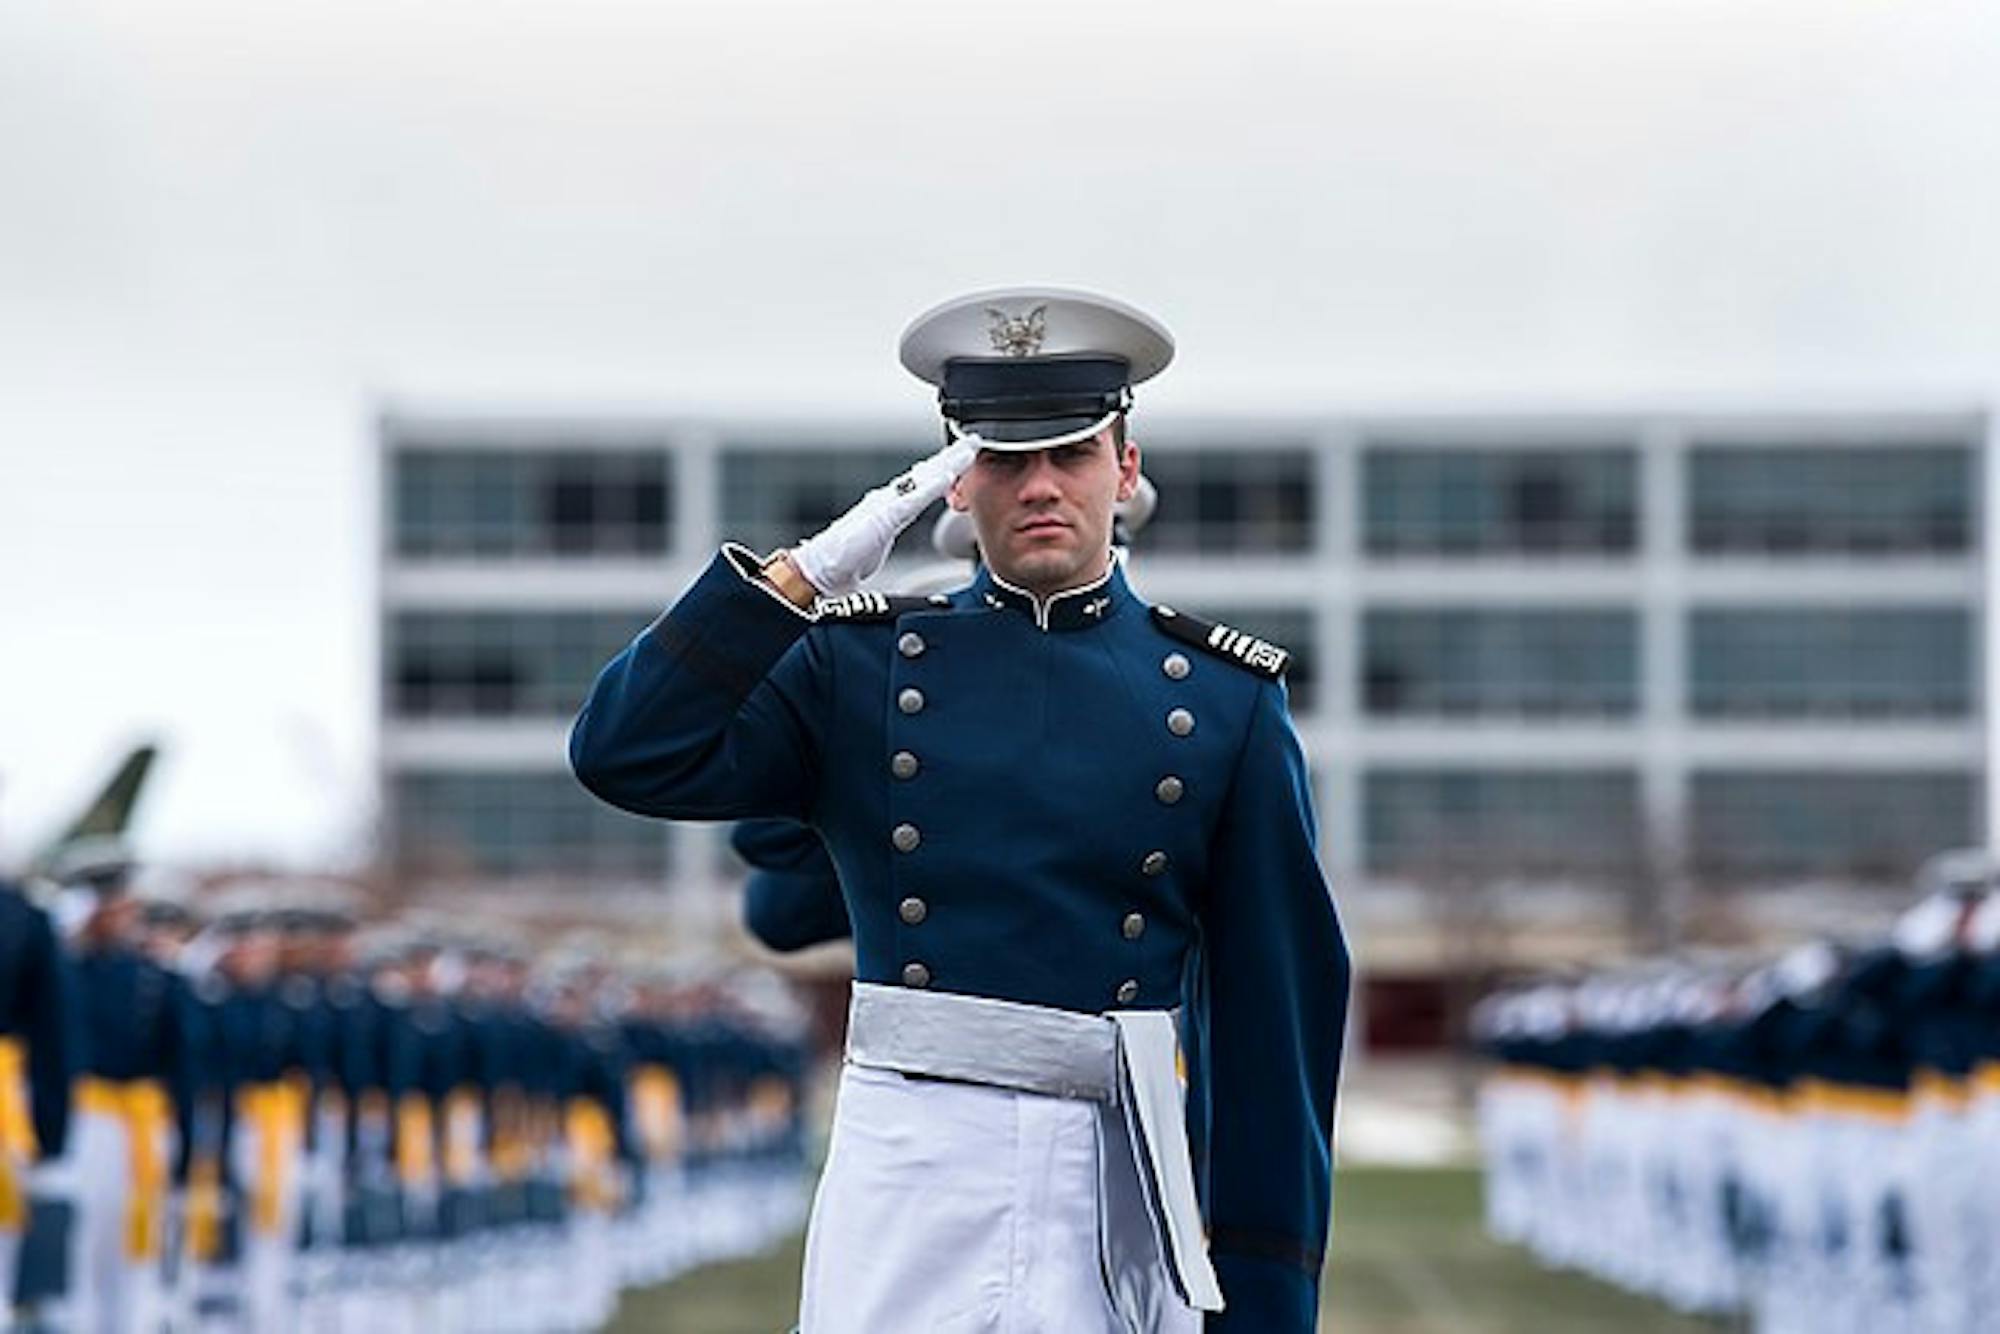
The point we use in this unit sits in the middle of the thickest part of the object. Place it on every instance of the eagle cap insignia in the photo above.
(1018, 335)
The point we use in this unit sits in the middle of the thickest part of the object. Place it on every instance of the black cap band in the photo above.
(1029, 399)
(1023, 389)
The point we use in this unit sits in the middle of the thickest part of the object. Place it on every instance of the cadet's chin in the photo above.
(1042, 571)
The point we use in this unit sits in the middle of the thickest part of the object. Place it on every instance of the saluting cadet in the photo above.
(1060, 817)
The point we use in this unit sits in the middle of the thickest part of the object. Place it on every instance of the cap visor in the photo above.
(1015, 437)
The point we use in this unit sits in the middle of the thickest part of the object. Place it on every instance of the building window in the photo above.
(1869, 826)
(501, 664)
(1749, 500)
(1420, 501)
(1421, 822)
(501, 504)
(1467, 662)
(1290, 628)
(1766, 662)
(772, 498)
(519, 824)
(1230, 502)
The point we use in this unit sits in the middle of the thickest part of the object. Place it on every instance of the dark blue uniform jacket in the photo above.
(37, 1006)
(989, 773)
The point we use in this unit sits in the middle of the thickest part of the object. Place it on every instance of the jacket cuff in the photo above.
(1264, 1297)
(750, 565)
(729, 625)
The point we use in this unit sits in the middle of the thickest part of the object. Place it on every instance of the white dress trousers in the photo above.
(955, 1208)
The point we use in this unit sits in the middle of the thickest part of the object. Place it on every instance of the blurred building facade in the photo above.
(1571, 684)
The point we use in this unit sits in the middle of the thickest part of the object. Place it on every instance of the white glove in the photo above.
(855, 545)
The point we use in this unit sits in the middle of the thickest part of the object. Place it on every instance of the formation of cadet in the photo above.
(276, 1119)
(1812, 1144)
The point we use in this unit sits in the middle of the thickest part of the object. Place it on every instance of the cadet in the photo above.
(792, 899)
(244, 1243)
(39, 1053)
(1060, 816)
(138, 1076)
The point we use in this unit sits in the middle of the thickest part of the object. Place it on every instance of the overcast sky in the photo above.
(229, 230)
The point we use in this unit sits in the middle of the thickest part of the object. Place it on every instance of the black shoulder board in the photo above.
(866, 608)
(1245, 650)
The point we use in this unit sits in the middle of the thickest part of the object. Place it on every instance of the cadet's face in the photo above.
(1044, 516)
(251, 959)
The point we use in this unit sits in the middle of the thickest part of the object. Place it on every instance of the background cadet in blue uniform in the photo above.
(1813, 1124)
(142, 1061)
(315, 955)
(792, 899)
(244, 1255)
(1036, 790)
(40, 1045)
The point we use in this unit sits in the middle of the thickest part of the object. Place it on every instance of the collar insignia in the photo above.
(1072, 609)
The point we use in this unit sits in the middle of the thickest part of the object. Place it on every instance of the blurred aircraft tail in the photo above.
(109, 812)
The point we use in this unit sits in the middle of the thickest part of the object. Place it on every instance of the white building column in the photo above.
(697, 496)
(694, 904)
(1989, 662)
(1337, 626)
(1663, 667)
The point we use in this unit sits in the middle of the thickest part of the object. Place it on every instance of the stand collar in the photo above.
(1079, 608)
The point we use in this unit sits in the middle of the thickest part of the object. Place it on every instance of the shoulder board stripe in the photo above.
(1225, 641)
(866, 607)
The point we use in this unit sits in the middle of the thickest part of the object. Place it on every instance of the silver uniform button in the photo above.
(911, 700)
(1175, 665)
(911, 645)
(906, 837)
(1128, 991)
(1155, 863)
(1134, 925)
(916, 975)
(1169, 790)
(913, 910)
(903, 764)
(1180, 722)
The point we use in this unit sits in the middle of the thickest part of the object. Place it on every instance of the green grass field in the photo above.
(1408, 1258)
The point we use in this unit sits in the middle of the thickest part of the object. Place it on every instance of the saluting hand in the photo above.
(854, 546)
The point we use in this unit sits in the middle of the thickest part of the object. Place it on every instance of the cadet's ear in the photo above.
(1128, 470)
(954, 496)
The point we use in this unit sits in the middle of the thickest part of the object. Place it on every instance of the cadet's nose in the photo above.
(1038, 481)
